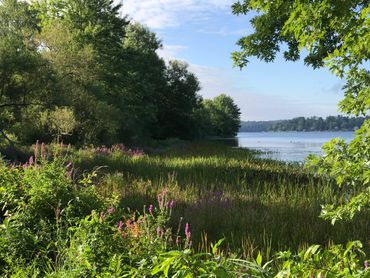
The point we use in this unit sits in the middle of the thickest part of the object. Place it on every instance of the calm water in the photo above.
(289, 146)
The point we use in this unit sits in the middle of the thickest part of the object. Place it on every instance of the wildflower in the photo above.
(366, 263)
(36, 149)
(30, 160)
(120, 225)
(111, 210)
(151, 209)
(171, 204)
(187, 232)
(160, 200)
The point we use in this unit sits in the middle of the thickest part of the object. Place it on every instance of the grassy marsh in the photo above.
(256, 204)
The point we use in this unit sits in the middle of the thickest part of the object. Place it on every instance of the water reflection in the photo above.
(288, 146)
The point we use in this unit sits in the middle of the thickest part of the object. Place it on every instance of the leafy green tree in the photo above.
(334, 34)
(224, 116)
(143, 85)
(26, 78)
(83, 42)
(179, 102)
(62, 122)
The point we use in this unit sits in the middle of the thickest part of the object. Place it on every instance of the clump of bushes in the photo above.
(55, 224)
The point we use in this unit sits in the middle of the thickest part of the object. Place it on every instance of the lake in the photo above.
(289, 146)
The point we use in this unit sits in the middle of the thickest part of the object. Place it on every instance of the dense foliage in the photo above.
(79, 72)
(334, 34)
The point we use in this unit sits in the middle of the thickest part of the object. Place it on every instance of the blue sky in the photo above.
(204, 33)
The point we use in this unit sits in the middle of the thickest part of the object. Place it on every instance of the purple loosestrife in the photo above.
(171, 204)
(151, 209)
(37, 149)
(159, 231)
(120, 225)
(160, 200)
(366, 264)
(187, 232)
(111, 210)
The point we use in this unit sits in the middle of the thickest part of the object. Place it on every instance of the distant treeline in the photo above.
(331, 123)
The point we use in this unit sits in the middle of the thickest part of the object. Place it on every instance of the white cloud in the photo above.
(171, 52)
(169, 13)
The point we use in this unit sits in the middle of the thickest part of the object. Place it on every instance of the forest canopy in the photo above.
(77, 71)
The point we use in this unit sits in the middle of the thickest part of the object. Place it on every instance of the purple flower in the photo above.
(366, 264)
(171, 204)
(187, 232)
(111, 210)
(30, 160)
(120, 225)
(151, 209)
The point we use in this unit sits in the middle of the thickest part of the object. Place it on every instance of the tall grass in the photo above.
(256, 204)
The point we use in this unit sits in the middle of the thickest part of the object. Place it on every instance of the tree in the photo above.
(334, 34)
(224, 116)
(26, 78)
(179, 102)
(62, 122)
(144, 84)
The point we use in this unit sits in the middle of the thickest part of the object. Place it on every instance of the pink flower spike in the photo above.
(159, 231)
(171, 204)
(111, 210)
(30, 160)
(120, 225)
(366, 264)
(151, 209)
(187, 232)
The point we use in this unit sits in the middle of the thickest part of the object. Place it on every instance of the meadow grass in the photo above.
(224, 192)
